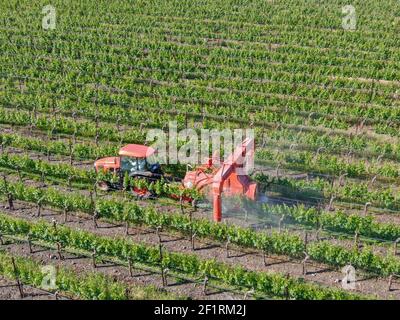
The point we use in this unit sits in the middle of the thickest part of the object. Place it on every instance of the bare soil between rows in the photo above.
(9, 291)
(209, 250)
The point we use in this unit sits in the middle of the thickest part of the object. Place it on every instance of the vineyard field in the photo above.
(315, 83)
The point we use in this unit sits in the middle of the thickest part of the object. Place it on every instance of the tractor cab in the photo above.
(134, 159)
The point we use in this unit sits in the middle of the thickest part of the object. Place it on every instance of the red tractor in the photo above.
(209, 179)
(133, 160)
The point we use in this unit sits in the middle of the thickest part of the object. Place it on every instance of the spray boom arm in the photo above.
(237, 182)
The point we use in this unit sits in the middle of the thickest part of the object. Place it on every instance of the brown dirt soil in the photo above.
(141, 277)
(9, 291)
(209, 250)
(319, 274)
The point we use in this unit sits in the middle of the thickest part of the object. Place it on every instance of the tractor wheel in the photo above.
(143, 194)
(103, 186)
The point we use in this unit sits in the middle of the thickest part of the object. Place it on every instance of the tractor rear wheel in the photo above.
(103, 186)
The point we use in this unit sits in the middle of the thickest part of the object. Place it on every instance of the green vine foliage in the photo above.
(275, 243)
(271, 284)
(338, 221)
(88, 286)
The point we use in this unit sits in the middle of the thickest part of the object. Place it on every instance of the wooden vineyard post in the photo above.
(304, 263)
(305, 239)
(29, 241)
(53, 128)
(69, 181)
(92, 205)
(277, 170)
(65, 214)
(127, 228)
(281, 223)
(130, 267)
(228, 241)
(163, 270)
(31, 123)
(95, 189)
(127, 293)
(205, 283)
(263, 139)
(395, 244)
(158, 230)
(10, 197)
(181, 204)
(97, 136)
(118, 124)
(94, 259)
(265, 255)
(164, 276)
(342, 180)
(319, 230)
(19, 173)
(390, 283)
(193, 241)
(19, 284)
(39, 206)
(43, 178)
(59, 251)
(71, 151)
(74, 134)
(191, 229)
(357, 241)
(95, 217)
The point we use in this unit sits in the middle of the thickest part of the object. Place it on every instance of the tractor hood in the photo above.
(136, 151)
(107, 163)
